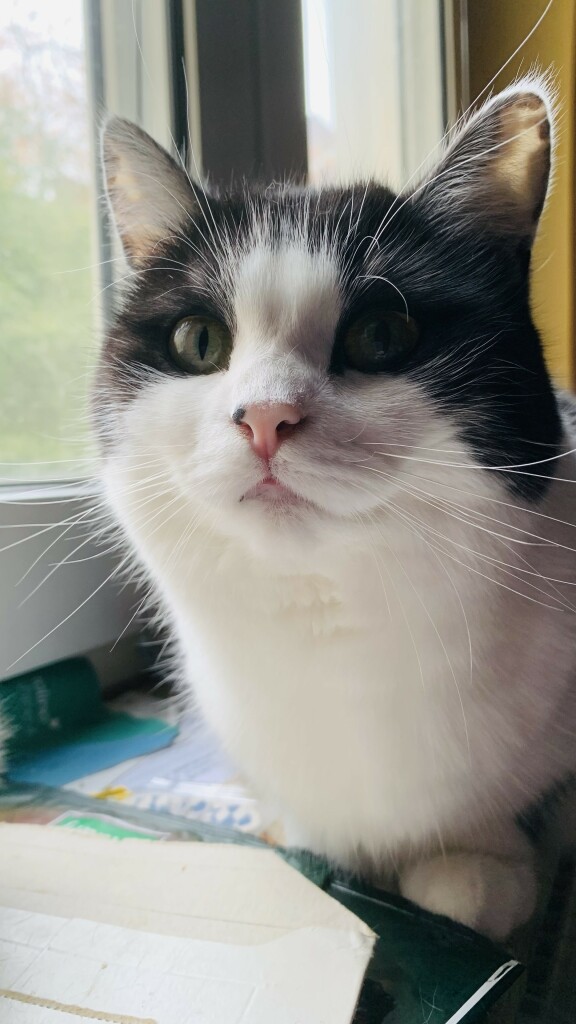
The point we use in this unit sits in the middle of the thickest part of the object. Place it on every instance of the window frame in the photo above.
(253, 50)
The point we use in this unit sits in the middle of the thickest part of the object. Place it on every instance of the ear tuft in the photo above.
(150, 195)
(494, 174)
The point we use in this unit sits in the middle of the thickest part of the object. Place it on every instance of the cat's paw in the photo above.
(492, 896)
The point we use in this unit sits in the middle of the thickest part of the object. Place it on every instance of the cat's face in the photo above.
(287, 360)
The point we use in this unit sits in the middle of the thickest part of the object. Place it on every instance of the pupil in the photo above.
(381, 337)
(203, 339)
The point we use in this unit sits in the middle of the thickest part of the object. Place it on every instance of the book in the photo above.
(60, 729)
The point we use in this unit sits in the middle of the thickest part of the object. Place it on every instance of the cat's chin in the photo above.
(269, 520)
(271, 515)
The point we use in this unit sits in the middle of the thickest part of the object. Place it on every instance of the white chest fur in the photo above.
(372, 698)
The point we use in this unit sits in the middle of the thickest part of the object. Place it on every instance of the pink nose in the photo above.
(266, 426)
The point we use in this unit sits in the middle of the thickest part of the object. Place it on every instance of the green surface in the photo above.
(428, 965)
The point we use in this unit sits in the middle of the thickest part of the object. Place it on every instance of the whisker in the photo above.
(67, 618)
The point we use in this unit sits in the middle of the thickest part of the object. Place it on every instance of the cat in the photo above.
(331, 442)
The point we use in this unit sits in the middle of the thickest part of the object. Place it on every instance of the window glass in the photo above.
(48, 303)
(368, 114)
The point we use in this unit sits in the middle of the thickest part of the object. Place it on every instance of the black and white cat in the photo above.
(331, 441)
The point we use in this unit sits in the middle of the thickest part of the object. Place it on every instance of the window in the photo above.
(61, 64)
(47, 311)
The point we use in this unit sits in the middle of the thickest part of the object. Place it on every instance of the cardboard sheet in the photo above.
(176, 933)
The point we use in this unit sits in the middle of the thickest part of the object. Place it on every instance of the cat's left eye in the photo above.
(381, 341)
(200, 345)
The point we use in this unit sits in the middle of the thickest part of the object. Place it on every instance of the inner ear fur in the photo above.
(496, 170)
(150, 195)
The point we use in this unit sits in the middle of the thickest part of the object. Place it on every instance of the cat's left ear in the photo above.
(150, 195)
(494, 175)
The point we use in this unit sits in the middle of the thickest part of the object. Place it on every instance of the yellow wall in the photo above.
(496, 28)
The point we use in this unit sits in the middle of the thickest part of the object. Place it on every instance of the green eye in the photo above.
(201, 345)
(380, 341)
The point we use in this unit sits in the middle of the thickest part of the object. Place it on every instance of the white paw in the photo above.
(490, 895)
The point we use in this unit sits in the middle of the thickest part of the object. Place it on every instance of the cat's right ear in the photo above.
(494, 174)
(150, 195)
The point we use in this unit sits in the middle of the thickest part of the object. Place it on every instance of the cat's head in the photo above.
(287, 359)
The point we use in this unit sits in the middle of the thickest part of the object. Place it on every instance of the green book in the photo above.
(61, 730)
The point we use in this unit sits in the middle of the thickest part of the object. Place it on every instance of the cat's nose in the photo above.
(266, 426)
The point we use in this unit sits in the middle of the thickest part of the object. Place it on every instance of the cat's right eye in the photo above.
(380, 341)
(200, 345)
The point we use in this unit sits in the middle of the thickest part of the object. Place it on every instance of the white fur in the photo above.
(359, 654)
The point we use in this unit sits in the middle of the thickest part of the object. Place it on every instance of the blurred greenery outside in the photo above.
(48, 310)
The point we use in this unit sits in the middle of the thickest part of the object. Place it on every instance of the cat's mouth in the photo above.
(274, 492)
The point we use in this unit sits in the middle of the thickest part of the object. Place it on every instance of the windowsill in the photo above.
(51, 490)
